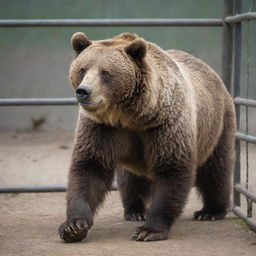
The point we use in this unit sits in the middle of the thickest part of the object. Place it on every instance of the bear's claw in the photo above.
(134, 216)
(148, 235)
(204, 215)
(73, 230)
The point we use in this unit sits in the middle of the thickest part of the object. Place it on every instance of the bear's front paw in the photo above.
(134, 216)
(73, 230)
(206, 215)
(145, 235)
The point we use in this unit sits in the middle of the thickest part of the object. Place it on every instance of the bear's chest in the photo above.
(132, 155)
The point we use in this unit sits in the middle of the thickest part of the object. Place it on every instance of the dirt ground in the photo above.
(29, 222)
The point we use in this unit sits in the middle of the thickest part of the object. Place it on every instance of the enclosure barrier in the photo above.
(231, 65)
(32, 189)
(38, 102)
(110, 22)
(39, 189)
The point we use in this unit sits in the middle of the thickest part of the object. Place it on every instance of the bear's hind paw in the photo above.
(205, 215)
(134, 216)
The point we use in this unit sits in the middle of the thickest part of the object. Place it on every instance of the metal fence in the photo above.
(231, 71)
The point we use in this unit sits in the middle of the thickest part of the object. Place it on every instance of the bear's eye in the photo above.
(82, 71)
(105, 73)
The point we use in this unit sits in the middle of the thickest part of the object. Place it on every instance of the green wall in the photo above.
(35, 61)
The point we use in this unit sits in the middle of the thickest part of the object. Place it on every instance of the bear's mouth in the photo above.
(91, 105)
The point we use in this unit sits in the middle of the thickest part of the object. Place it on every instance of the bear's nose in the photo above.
(82, 92)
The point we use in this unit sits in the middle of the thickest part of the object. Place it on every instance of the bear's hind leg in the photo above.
(214, 177)
(134, 191)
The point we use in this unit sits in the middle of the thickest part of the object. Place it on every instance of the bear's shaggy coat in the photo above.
(163, 119)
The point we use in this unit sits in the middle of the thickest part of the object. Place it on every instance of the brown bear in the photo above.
(163, 119)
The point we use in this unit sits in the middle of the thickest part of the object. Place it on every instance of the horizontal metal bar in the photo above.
(245, 137)
(240, 17)
(125, 22)
(32, 189)
(109, 22)
(245, 102)
(251, 223)
(37, 101)
(38, 189)
(245, 192)
(72, 101)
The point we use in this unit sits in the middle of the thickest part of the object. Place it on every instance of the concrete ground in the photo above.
(29, 222)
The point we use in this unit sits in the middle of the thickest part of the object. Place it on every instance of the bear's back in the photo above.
(211, 99)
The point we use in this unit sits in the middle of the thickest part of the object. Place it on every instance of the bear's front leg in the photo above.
(88, 183)
(90, 178)
(170, 191)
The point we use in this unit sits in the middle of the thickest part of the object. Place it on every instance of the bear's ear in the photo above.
(137, 49)
(79, 42)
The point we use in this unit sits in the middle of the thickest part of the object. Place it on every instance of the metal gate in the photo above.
(231, 71)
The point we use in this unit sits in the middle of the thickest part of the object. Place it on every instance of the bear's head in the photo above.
(109, 77)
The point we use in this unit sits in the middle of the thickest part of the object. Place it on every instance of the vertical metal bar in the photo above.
(248, 201)
(249, 207)
(227, 46)
(236, 84)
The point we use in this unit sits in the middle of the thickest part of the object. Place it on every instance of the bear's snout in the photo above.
(82, 93)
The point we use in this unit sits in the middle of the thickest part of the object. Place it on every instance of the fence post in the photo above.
(227, 46)
(236, 86)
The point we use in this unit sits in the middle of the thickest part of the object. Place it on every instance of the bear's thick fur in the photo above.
(163, 119)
